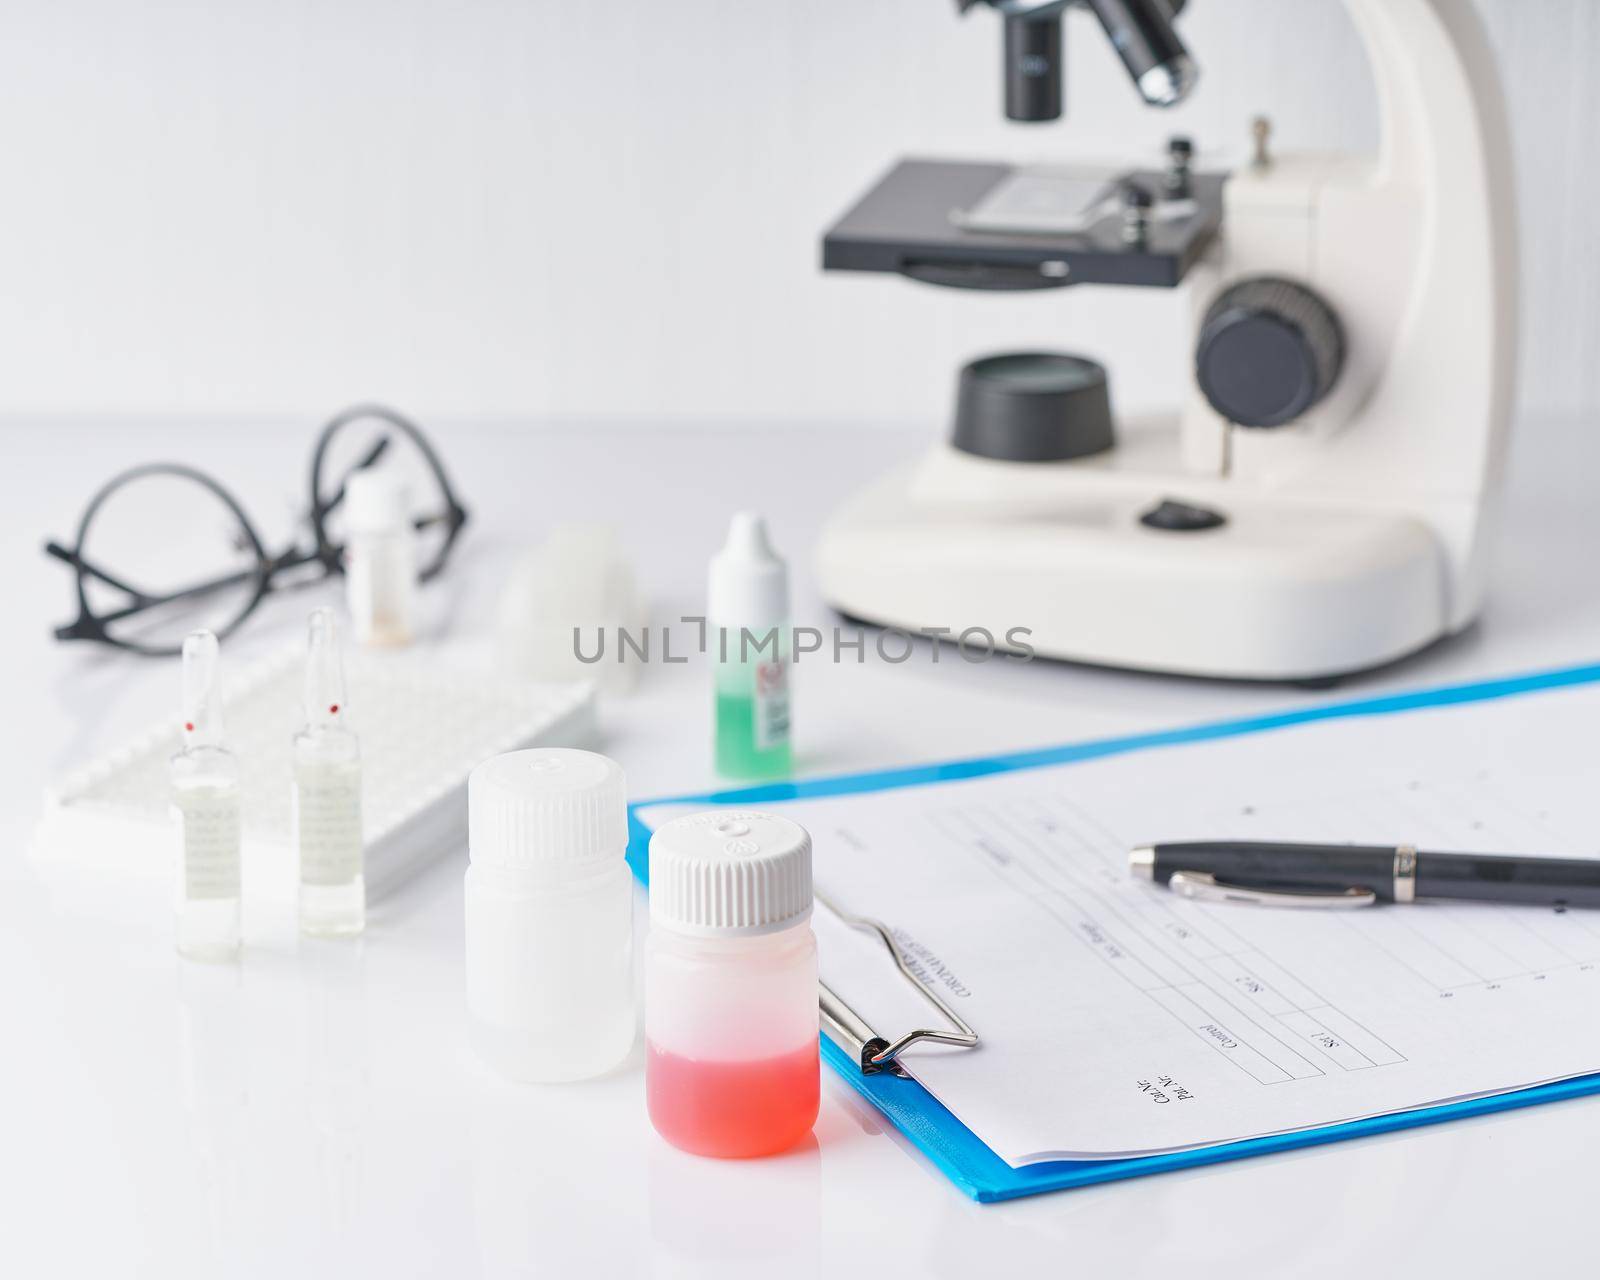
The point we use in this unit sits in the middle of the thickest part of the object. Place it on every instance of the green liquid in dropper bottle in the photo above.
(749, 609)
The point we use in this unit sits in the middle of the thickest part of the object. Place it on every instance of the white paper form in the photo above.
(1118, 1019)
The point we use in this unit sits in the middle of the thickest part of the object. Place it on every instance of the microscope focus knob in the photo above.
(1269, 349)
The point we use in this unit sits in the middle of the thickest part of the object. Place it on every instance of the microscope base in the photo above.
(1284, 590)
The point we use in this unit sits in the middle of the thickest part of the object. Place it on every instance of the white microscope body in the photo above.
(1354, 535)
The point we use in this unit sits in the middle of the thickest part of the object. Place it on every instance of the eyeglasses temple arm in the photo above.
(452, 517)
(94, 571)
(187, 593)
(289, 560)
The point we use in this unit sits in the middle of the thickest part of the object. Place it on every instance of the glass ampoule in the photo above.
(327, 795)
(204, 780)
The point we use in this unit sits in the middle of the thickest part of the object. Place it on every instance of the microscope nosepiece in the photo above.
(1141, 32)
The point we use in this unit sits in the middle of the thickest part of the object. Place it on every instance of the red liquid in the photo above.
(756, 1107)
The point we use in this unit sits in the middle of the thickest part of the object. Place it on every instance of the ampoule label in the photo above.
(208, 818)
(327, 821)
(771, 704)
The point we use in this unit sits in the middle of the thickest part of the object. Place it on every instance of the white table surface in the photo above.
(316, 1110)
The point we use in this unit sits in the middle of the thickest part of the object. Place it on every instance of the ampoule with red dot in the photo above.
(731, 1020)
(327, 795)
(205, 801)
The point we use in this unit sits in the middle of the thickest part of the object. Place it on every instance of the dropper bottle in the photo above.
(748, 609)
(327, 795)
(205, 799)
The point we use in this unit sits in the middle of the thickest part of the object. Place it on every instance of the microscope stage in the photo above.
(923, 220)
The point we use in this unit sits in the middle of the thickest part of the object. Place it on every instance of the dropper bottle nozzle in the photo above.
(325, 694)
(202, 700)
(749, 580)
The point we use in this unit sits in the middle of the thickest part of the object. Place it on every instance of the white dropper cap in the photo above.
(749, 580)
(202, 700)
(376, 500)
(325, 693)
(730, 874)
(548, 808)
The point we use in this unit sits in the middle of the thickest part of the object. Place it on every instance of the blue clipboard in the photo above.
(954, 1148)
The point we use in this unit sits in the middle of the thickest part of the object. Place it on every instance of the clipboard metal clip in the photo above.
(876, 1053)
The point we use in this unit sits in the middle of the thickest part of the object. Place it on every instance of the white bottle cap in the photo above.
(730, 873)
(376, 500)
(549, 808)
(749, 580)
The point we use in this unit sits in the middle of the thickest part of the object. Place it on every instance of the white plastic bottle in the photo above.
(327, 795)
(731, 1019)
(380, 558)
(748, 610)
(205, 802)
(549, 914)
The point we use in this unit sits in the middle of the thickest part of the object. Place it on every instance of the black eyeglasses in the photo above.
(163, 548)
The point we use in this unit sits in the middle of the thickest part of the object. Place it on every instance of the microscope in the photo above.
(1322, 502)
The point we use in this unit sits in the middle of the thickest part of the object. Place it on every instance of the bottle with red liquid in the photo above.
(731, 985)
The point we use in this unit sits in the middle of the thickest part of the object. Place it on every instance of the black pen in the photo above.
(1354, 875)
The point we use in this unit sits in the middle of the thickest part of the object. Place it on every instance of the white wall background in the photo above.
(566, 207)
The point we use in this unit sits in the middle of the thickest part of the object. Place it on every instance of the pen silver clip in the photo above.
(1205, 887)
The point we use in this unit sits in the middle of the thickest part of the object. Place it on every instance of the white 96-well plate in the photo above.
(421, 729)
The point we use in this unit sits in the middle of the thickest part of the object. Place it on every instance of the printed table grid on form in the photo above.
(1232, 995)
